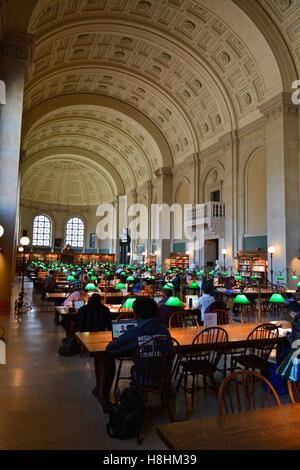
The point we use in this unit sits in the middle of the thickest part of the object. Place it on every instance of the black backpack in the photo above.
(126, 417)
(69, 347)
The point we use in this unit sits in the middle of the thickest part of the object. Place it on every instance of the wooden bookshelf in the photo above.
(178, 260)
(252, 263)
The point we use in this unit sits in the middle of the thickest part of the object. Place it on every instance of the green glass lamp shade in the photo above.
(73, 273)
(170, 271)
(169, 285)
(90, 287)
(241, 299)
(253, 278)
(79, 270)
(194, 285)
(298, 284)
(173, 302)
(129, 302)
(65, 270)
(93, 278)
(130, 279)
(90, 273)
(276, 298)
(71, 278)
(224, 274)
(122, 273)
(294, 277)
(238, 277)
(107, 273)
(280, 277)
(151, 278)
(211, 273)
(200, 273)
(149, 269)
(120, 286)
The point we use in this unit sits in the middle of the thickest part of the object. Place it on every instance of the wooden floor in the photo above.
(46, 400)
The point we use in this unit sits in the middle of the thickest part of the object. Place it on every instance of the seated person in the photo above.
(165, 311)
(77, 295)
(204, 301)
(145, 366)
(76, 284)
(285, 347)
(148, 325)
(94, 316)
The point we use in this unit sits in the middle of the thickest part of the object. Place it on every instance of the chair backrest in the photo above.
(262, 339)
(127, 314)
(246, 390)
(223, 316)
(212, 343)
(182, 319)
(294, 391)
(153, 364)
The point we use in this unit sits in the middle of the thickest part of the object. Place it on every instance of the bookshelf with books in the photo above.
(178, 260)
(253, 267)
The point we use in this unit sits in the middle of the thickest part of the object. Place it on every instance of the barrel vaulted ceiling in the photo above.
(141, 84)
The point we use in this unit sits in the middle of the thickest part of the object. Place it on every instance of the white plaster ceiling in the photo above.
(197, 69)
(65, 182)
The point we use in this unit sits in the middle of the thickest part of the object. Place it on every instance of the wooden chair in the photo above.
(260, 343)
(203, 359)
(152, 370)
(224, 317)
(294, 391)
(128, 314)
(245, 391)
(182, 319)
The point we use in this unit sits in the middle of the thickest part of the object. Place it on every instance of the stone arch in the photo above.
(217, 179)
(254, 202)
(105, 101)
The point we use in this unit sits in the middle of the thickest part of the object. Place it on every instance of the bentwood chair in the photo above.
(206, 351)
(245, 391)
(294, 391)
(260, 343)
(152, 370)
(182, 319)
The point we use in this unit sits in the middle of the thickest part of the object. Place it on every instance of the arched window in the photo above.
(41, 233)
(75, 232)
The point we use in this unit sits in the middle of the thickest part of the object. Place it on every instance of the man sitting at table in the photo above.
(204, 301)
(94, 316)
(127, 344)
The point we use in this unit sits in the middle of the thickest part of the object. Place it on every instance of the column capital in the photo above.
(16, 45)
(280, 105)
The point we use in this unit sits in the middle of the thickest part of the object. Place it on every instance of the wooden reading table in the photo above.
(275, 428)
(95, 344)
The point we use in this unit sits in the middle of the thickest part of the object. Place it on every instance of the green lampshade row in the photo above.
(194, 285)
(129, 302)
(169, 286)
(277, 298)
(241, 299)
(173, 302)
(90, 287)
(120, 286)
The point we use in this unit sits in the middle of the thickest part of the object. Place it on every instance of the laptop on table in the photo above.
(120, 327)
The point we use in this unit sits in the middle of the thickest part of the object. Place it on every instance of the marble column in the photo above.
(282, 159)
(230, 196)
(149, 202)
(14, 50)
(164, 196)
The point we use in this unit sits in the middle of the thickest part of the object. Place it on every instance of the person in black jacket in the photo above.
(126, 345)
(94, 316)
(148, 325)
